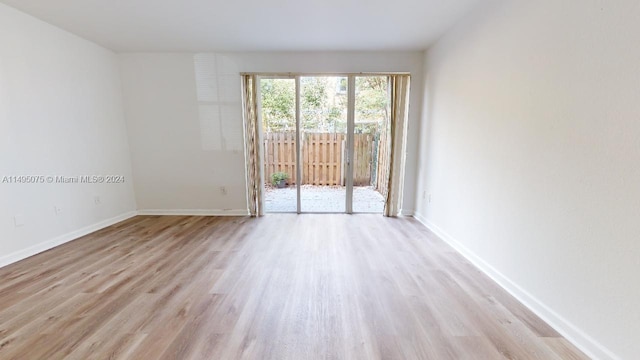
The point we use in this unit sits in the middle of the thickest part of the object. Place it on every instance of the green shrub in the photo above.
(278, 176)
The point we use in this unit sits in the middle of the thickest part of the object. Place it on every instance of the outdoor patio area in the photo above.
(323, 199)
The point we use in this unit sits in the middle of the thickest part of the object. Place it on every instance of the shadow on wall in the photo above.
(219, 102)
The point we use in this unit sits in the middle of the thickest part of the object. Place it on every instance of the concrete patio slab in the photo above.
(323, 199)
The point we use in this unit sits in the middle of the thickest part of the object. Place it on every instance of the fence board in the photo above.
(323, 157)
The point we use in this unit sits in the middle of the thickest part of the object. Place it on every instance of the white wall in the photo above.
(182, 154)
(531, 154)
(61, 114)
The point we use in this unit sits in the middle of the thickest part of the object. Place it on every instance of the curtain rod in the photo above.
(323, 73)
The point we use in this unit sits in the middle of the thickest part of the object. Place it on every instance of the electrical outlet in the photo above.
(57, 209)
(18, 220)
(97, 200)
(223, 190)
(429, 199)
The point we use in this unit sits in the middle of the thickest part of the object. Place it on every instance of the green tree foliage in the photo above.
(324, 104)
(321, 110)
(371, 97)
(372, 108)
(278, 105)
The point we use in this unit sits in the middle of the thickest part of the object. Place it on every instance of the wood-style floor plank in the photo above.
(279, 287)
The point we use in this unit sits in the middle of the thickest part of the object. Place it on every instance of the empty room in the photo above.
(320, 180)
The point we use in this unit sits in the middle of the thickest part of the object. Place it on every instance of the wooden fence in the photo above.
(323, 157)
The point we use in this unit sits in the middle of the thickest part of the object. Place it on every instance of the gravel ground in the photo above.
(323, 199)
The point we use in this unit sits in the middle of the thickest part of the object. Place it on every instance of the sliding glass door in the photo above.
(321, 136)
(277, 109)
(371, 143)
(323, 133)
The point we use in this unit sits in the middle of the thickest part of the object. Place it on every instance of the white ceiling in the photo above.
(252, 25)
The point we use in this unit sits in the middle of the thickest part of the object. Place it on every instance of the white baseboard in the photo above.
(59, 240)
(575, 335)
(407, 212)
(195, 212)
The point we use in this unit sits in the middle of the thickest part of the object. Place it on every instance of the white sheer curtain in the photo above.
(252, 142)
(399, 85)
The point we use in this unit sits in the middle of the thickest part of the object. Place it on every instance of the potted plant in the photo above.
(279, 179)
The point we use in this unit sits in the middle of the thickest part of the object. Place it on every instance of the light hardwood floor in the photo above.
(280, 287)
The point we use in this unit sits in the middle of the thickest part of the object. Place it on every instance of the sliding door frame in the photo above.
(298, 149)
(351, 101)
(351, 109)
